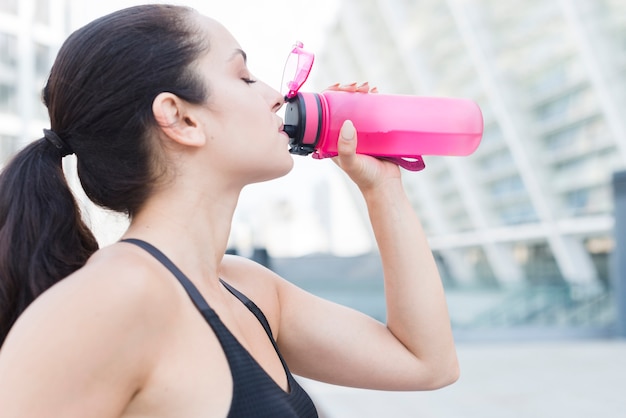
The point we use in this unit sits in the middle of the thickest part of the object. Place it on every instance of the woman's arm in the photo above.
(416, 349)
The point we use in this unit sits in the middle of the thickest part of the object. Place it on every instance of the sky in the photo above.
(311, 209)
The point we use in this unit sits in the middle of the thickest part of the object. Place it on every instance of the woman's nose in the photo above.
(279, 101)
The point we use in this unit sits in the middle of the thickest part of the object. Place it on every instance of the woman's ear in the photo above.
(177, 120)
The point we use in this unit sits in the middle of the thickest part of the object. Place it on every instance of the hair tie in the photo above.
(62, 146)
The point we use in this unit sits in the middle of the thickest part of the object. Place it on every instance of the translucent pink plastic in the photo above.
(299, 64)
(394, 127)
(397, 126)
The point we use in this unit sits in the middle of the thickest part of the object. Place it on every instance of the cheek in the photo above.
(256, 124)
(245, 118)
(246, 115)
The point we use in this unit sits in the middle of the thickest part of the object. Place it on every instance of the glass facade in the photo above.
(550, 78)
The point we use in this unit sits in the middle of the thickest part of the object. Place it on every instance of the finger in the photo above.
(342, 87)
(350, 87)
(353, 87)
(363, 88)
(346, 145)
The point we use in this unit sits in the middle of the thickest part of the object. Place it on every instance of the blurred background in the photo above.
(526, 231)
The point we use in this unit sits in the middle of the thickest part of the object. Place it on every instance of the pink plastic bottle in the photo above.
(401, 128)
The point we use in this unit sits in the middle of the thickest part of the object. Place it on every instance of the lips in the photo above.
(282, 131)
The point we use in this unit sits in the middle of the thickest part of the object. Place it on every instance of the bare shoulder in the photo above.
(119, 280)
(115, 292)
(257, 282)
(99, 328)
(248, 276)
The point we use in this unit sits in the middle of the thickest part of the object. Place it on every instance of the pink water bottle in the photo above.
(396, 127)
(400, 128)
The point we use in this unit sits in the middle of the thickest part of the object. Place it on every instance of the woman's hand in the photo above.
(367, 172)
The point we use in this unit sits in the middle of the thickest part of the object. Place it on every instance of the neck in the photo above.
(190, 227)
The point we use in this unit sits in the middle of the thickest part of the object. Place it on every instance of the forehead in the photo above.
(222, 43)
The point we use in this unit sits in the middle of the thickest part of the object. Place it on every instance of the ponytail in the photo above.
(99, 98)
(42, 236)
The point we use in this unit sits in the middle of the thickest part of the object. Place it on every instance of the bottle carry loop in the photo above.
(413, 164)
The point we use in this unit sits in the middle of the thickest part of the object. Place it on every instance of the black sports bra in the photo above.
(255, 393)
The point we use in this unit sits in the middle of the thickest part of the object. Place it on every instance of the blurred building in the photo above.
(31, 32)
(534, 203)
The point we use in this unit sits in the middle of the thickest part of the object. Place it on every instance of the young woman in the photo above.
(168, 125)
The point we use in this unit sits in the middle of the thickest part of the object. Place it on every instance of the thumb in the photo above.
(346, 143)
(346, 147)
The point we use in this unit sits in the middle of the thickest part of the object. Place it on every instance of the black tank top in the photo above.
(255, 393)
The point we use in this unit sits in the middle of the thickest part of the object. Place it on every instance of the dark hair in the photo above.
(99, 97)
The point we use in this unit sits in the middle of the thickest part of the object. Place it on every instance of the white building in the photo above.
(31, 32)
(534, 203)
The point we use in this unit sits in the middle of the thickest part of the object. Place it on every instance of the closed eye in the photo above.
(248, 80)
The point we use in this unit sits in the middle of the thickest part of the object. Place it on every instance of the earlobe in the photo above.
(177, 121)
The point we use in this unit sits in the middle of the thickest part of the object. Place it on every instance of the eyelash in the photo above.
(248, 80)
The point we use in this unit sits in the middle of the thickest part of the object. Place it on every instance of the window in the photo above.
(518, 213)
(8, 50)
(496, 161)
(507, 186)
(550, 80)
(8, 146)
(577, 200)
(575, 102)
(587, 130)
(554, 109)
(8, 98)
(561, 139)
(42, 60)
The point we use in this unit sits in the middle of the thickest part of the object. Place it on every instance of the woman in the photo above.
(168, 125)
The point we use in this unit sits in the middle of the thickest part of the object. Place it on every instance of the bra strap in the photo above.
(251, 307)
(191, 290)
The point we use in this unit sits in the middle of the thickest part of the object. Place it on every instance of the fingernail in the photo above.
(334, 85)
(374, 90)
(348, 131)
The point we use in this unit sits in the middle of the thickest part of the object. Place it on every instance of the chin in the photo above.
(280, 169)
(286, 168)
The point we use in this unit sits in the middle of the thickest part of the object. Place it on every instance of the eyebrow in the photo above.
(241, 52)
